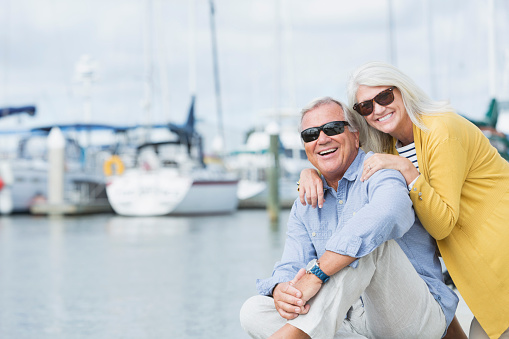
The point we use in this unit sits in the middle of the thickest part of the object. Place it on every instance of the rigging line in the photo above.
(6, 49)
(216, 75)
(392, 35)
(4, 94)
(162, 52)
(288, 56)
(431, 56)
(61, 51)
(492, 43)
(278, 62)
(148, 71)
(192, 46)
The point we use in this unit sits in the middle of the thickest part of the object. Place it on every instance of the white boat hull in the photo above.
(26, 185)
(254, 194)
(6, 205)
(6, 179)
(209, 197)
(164, 191)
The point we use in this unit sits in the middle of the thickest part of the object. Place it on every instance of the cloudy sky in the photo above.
(272, 54)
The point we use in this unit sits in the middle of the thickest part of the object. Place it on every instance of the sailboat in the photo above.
(6, 173)
(170, 177)
(24, 175)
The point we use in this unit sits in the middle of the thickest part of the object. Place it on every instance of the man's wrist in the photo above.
(315, 278)
(273, 290)
(313, 267)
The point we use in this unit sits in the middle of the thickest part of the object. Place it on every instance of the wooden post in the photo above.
(273, 180)
(56, 146)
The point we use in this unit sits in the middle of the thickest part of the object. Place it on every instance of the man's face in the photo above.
(332, 155)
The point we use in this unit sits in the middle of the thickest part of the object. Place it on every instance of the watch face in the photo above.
(310, 265)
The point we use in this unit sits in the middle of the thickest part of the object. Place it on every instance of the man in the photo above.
(364, 283)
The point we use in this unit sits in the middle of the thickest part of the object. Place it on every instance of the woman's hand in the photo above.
(379, 161)
(311, 188)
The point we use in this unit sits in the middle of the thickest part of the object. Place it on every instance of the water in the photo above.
(106, 276)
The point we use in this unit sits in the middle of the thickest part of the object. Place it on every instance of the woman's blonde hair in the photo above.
(417, 103)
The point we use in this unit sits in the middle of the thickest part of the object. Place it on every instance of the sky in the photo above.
(273, 56)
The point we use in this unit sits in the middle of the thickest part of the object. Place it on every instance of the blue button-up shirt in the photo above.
(355, 220)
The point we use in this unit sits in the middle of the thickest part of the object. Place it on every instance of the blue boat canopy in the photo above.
(6, 111)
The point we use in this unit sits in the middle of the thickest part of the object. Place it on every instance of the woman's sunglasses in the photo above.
(383, 98)
(330, 129)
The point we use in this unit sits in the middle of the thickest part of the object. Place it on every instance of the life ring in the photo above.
(113, 162)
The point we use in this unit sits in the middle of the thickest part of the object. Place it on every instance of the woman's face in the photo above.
(392, 119)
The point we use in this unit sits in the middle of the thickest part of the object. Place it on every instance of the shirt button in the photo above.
(313, 234)
(354, 213)
(341, 202)
(420, 193)
(415, 188)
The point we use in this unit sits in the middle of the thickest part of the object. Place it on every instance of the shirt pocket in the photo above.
(320, 232)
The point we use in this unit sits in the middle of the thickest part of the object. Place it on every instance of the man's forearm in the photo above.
(331, 262)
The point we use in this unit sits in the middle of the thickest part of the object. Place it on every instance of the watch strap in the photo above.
(319, 273)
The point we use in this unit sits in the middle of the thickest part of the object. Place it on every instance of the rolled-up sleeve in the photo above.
(388, 214)
(298, 251)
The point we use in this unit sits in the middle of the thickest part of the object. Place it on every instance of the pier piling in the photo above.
(273, 179)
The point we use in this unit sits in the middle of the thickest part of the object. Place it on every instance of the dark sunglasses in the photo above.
(383, 98)
(330, 129)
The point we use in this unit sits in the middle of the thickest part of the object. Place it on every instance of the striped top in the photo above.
(408, 152)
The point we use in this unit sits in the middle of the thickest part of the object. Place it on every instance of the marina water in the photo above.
(106, 276)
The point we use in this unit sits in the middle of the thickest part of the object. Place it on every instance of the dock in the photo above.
(70, 208)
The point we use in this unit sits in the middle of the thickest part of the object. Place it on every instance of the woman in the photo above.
(458, 183)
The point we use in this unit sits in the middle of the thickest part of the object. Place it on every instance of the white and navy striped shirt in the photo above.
(408, 152)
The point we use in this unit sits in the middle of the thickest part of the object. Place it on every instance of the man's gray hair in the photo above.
(353, 127)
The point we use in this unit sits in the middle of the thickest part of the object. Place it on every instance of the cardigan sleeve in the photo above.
(436, 196)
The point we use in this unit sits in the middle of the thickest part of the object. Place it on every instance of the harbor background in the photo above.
(133, 63)
(107, 276)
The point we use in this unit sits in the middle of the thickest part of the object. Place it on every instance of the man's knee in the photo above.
(251, 312)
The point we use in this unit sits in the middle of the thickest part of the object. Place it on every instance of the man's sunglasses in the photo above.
(383, 98)
(330, 129)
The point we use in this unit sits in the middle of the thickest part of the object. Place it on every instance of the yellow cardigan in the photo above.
(462, 199)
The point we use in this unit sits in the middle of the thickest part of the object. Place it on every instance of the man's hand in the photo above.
(309, 285)
(287, 298)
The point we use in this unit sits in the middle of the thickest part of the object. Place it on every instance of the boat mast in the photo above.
(85, 73)
(278, 81)
(431, 58)
(147, 55)
(220, 126)
(492, 49)
(392, 40)
(192, 47)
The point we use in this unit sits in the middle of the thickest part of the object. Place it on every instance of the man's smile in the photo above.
(328, 151)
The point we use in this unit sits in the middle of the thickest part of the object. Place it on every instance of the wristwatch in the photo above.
(314, 267)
